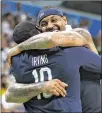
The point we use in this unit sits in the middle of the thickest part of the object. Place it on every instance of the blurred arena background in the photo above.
(84, 14)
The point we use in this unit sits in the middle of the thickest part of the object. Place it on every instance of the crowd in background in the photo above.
(9, 20)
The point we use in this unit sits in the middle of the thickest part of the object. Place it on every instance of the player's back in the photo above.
(38, 66)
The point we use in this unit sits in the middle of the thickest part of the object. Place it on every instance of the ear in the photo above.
(39, 29)
(65, 19)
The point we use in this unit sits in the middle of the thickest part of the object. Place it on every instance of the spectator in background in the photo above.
(73, 22)
(8, 24)
(19, 15)
(84, 23)
(4, 50)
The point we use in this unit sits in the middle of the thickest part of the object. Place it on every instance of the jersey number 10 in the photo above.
(41, 79)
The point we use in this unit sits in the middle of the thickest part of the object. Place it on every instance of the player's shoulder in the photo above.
(19, 56)
(21, 59)
(21, 63)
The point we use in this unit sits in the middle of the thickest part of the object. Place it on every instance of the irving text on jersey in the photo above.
(39, 60)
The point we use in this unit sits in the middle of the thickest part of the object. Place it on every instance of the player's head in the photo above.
(51, 19)
(24, 31)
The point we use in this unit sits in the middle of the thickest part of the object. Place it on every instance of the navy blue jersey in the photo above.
(63, 64)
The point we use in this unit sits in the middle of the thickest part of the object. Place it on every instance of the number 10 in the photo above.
(35, 75)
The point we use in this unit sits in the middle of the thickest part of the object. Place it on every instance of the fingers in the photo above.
(62, 83)
(55, 87)
(58, 92)
(60, 87)
(61, 90)
(54, 92)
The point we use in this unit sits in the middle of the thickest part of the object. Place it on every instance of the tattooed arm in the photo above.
(21, 93)
(75, 37)
(49, 40)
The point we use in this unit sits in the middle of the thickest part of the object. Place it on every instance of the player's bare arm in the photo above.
(21, 93)
(49, 40)
(76, 37)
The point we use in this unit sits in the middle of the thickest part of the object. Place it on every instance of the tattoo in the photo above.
(40, 41)
(75, 37)
(21, 93)
(52, 39)
(70, 38)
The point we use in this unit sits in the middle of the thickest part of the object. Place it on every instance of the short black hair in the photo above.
(24, 31)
